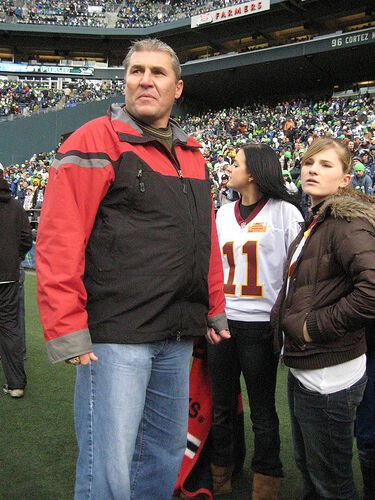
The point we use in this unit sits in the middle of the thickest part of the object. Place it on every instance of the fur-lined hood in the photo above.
(347, 204)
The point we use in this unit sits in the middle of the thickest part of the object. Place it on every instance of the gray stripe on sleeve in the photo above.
(218, 322)
(81, 162)
(70, 345)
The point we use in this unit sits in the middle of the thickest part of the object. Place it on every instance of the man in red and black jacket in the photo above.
(129, 271)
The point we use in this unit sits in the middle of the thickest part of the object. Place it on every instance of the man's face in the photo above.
(359, 173)
(351, 145)
(151, 87)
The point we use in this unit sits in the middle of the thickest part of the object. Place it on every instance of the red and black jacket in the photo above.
(127, 250)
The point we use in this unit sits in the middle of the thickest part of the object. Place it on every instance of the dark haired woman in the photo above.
(254, 236)
(327, 298)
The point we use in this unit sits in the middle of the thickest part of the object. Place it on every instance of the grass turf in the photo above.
(37, 445)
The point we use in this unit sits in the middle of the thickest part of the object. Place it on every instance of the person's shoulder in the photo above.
(15, 206)
(93, 125)
(90, 135)
(285, 208)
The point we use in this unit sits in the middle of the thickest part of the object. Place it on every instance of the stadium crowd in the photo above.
(63, 12)
(289, 127)
(23, 98)
(146, 13)
(130, 13)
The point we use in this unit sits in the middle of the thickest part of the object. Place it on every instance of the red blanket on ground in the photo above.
(195, 476)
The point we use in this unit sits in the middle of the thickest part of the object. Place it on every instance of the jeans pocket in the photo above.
(342, 405)
(354, 394)
(304, 389)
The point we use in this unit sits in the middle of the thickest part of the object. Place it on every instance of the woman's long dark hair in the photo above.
(264, 166)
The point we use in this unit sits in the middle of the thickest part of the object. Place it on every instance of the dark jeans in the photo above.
(10, 338)
(365, 430)
(249, 350)
(323, 431)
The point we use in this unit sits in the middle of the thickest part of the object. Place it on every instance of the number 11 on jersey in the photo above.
(251, 288)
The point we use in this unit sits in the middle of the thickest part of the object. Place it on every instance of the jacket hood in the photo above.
(129, 130)
(5, 192)
(348, 204)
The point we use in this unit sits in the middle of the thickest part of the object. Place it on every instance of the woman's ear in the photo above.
(346, 181)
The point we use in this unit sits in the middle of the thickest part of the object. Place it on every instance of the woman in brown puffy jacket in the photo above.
(319, 317)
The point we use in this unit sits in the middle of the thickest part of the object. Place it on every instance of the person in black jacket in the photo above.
(15, 241)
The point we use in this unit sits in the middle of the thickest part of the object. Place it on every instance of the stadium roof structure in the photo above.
(296, 46)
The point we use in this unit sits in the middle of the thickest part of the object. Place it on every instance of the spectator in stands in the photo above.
(290, 186)
(226, 194)
(367, 163)
(360, 180)
(39, 195)
(21, 191)
(28, 202)
(220, 166)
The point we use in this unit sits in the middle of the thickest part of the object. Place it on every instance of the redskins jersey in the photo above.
(254, 253)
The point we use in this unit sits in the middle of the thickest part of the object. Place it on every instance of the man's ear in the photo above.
(179, 88)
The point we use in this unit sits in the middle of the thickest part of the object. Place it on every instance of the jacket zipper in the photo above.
(140, 181)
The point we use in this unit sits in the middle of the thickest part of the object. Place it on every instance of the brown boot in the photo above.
(265, 487)
(221, 479)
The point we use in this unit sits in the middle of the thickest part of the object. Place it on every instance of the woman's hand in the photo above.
(306, 335)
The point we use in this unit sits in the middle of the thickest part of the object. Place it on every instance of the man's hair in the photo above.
(153, 45)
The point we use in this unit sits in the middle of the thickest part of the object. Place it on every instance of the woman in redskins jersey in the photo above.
(254, 235)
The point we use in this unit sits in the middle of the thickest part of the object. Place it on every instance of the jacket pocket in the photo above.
(292, 326)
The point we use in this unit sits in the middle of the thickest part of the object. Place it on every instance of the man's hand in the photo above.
(214, 338)
(86, 358)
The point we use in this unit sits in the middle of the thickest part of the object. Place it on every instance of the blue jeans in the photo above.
(131, 416)
(323, 431)
(365, 430)
(250, 351)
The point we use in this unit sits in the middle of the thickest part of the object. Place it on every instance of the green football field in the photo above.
(37, 443)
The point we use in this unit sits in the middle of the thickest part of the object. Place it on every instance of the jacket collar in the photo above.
(348, 204)
(128, 130)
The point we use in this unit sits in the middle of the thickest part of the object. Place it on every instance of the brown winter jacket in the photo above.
(332, 286)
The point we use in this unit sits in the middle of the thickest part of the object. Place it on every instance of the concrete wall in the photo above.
(20, 138)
